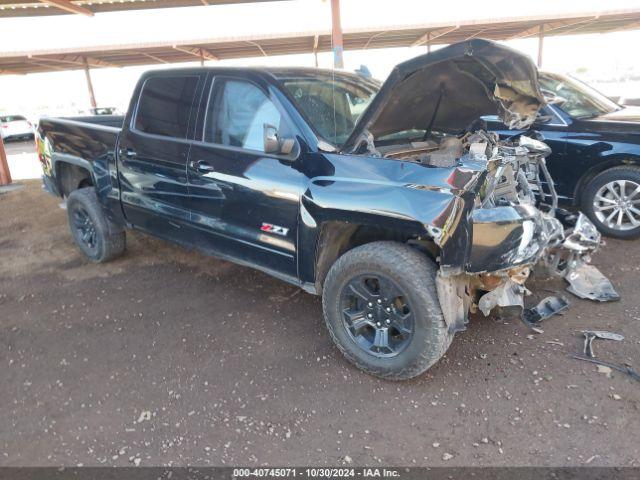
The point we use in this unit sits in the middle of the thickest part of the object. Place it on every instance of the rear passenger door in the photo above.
(245, 202)
(153, 152)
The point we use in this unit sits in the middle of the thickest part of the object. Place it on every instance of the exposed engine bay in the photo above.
(516, 208)
(505, 222)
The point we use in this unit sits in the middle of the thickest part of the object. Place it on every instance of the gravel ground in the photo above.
(168, 357)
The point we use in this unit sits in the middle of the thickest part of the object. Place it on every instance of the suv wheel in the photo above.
(612, 201)
(382, 310)
(96, 236)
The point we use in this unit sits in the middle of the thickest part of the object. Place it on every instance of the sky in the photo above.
(602, 60)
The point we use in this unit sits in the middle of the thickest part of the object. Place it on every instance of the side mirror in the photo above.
(273, 144)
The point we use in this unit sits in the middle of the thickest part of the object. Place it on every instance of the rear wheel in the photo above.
(382, 311)
(96, 236)
(612, 201)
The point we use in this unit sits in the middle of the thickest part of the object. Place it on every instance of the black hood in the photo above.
(459, 83)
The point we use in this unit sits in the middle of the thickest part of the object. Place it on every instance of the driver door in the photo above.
(244, 201)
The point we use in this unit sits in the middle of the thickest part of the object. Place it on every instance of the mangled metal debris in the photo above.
(509, 294)
(626, 369)
(546, 308)
(570, 261)
(521, 178)
(588, 282)
(591, 335)
(606, 367)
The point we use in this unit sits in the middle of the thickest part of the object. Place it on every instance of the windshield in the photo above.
(331, 104)
(582, 101)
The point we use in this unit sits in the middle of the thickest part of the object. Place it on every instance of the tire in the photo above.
(95, 235)
(600, 195)
(414, 344)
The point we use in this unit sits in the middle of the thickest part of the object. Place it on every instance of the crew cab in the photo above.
(392, 201)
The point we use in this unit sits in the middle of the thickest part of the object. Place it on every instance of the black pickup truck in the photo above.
(391, 201)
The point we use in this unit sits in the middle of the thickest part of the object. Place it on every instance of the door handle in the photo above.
(128, 152)
(202, 166)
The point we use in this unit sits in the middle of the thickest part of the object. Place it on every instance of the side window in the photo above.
(165, 105)
(237, 114)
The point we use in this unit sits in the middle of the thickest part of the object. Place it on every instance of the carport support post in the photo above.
(540, 44)
(92, 95)
(336, 34)
(5, 174)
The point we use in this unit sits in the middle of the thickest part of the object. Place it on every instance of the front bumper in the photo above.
(510, 242)
(508, 237)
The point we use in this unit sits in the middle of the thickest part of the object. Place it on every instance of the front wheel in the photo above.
(612, 202)
(381, 308)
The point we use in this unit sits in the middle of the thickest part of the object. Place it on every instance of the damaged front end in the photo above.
(504, 224)
(515, 230)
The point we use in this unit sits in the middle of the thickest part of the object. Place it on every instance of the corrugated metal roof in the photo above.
(32, 8)
(306, 42)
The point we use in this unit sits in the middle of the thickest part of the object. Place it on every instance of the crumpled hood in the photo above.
(450, 88)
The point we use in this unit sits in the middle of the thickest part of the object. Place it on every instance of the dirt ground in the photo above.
(174, 358)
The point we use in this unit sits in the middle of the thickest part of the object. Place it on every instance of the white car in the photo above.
(15, 126)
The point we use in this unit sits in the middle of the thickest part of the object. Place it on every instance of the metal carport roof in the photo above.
(32, 8)
(507, 28)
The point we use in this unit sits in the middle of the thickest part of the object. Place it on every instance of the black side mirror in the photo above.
(271, 143)
(274, 144)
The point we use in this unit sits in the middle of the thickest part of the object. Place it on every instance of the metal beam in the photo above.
(370, 39)
(153, 57)
(68, 6)
(316, 41)
(628, 26)
(92, 95)
(47, 65)
(256, 44)
(92, 62)
(550, 27)
(433, 34)
(336, 35)
(196, 52)
(5, 174)
(540, 45)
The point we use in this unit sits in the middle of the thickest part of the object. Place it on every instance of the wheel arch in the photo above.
(590, 174)
(72, 173)
(337, 237)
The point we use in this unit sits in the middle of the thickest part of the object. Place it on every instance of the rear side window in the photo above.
(165, 105)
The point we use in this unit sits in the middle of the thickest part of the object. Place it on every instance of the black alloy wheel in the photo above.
(377, 315)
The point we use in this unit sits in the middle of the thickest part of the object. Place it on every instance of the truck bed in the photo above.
(88, 138)
(86, 143)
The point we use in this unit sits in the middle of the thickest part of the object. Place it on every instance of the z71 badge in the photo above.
(267, 227)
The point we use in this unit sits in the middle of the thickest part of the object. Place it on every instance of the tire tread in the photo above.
(420, 273)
